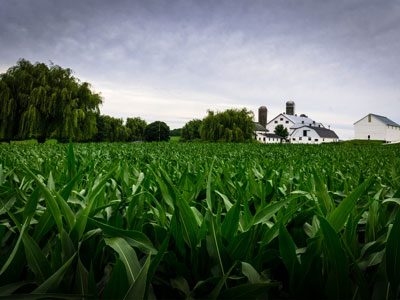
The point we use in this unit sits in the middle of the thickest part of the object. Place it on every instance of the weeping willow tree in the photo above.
(40, 101)
(232, 125)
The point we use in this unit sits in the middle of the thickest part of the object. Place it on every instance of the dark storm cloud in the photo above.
(337, 59)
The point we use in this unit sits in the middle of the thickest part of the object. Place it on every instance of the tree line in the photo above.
(232, 125)
(47, 102)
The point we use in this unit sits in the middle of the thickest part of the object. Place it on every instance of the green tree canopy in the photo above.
(281, 131)
(40, 101)
(137, 127)
(175, 132)
(232, 125)
(191, 130)
(156, 131)
(111, 130)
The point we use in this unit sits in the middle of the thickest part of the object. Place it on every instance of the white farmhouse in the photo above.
(375, 127)
(301, 129)
(313, 135)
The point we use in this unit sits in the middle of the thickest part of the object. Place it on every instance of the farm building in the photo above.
(296, 126)
(375, 127)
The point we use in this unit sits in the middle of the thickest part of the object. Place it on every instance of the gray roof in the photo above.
(272, 135)
(259, 127)
(323, 132)
(386, 120)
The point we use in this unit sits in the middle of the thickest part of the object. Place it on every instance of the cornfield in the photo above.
(197, 220)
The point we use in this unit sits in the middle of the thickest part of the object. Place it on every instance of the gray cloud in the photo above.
(173, 60)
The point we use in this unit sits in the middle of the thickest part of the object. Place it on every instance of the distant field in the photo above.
(174, 138)
(199, 220)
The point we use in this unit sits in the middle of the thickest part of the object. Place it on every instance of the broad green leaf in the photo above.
(127, 256)
(337, 218)
(338, 281)
(393, 256)
(51, 202)
(287, 249)
(138, 288)
(54, 280)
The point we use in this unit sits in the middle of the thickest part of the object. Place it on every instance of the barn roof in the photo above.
(386, 120)
(259, 127)
(322, 132)
(383, 119)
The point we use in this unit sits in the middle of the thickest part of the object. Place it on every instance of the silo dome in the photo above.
(290, 108)
(262, 115)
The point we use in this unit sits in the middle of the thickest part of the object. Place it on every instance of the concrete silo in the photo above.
(262, 116)
(290, 108)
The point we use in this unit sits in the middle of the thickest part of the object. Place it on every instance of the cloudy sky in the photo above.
(172, 60)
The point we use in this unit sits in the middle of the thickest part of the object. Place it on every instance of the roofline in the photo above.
(281, 114)
(312, 127)
(375, 115)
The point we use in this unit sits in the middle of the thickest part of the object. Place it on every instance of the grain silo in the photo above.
(290, 108)
(262, 115)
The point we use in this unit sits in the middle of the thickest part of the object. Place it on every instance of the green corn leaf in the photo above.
(117, 285)
(287, 249)
(134, 238)
(54, 280)
(37, 261)
(393, 256)
(127, 256)
(138, 288)
(230, 224)
(338, 282)
(16, 247)
(51, 202)
(7, 290)
(337, 218)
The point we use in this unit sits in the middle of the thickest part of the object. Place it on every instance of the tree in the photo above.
(281, 131)
(137, 127)
(156, 131)
(232, 125)
(175, 132)
(40, 101)
(191, 130)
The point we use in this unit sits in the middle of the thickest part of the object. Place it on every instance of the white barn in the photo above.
(375, 127)
(313, 135)
(263, 136)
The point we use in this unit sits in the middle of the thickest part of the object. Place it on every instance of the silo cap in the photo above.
(263, 108)
(290, 102)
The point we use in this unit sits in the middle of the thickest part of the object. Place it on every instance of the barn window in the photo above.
(294, 139)
(316, 140)
(300, 139)
(369, 118)
(309, 138)
(281, 119)
(276, 122)
(287, 122)
(304, 132)
(264, 139)
(302, 122)
(369, 137)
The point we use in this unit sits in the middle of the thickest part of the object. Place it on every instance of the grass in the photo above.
(174, 138)
(199, 220)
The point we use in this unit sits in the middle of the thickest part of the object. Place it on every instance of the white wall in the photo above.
(312, 137)
(266, 140)
(277, 121)
(375, 129)
(392, 134)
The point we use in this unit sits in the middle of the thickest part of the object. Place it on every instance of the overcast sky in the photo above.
(173, 60)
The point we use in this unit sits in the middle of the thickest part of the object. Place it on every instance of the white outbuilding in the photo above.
(375, 127)
(313, 135)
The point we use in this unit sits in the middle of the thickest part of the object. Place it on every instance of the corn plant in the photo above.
(172, 220)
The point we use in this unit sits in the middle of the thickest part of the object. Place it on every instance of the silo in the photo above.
(262, 116)
(290, 108)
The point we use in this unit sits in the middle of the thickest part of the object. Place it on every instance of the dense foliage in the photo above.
(37, 101)
(232, 125)
(156, 131)
(177, 220)
(281, 131)
(175, 132)
(137, 127)
(191, 130)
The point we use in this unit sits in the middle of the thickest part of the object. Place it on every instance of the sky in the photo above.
(338, 60)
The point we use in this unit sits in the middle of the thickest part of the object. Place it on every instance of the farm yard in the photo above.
(199, 220)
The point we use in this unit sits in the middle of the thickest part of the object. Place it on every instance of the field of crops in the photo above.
(173, 220)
